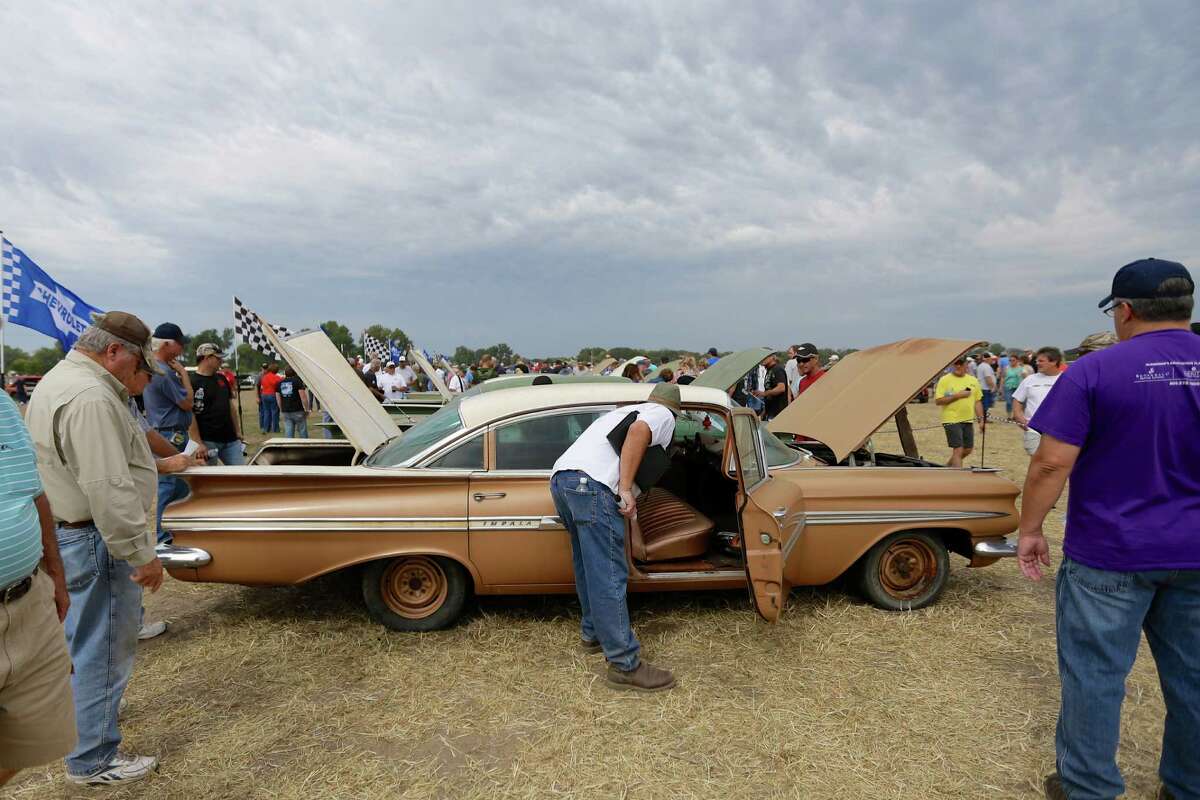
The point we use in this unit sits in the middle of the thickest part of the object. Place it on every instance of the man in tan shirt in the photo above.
(100, 478)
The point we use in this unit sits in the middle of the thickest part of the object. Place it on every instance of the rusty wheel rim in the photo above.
(414, 587)
(908, 569)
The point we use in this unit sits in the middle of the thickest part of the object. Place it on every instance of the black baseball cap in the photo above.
(1139, 280)
(169, 330)
(806, 351)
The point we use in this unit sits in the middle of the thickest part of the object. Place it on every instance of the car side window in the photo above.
(747, 447)
(538, 442)
(468, 455)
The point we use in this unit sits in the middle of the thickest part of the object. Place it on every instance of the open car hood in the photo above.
(343, 394)
(731, 368)
(865, 390)
(415, 354)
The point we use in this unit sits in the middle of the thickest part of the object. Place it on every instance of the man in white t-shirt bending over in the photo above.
(594, 493)
(392, 383)
(1033, 390)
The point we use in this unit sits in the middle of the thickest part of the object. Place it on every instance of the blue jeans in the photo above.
(1100, 616)
(295, 424)
(262, 415)
(170, 488)
(101, 628)
(229, 453)
(1008, 398)
(327, 417)
(989, 397)
(588, 509)
(269, 409)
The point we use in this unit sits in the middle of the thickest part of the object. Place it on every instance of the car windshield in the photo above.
(431, 430)
(693, 422)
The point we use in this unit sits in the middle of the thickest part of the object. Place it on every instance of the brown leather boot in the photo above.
(1164, 793)
(590, 648)
(1054, 788)
(645, 677)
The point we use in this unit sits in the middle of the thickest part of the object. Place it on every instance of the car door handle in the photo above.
(779, 513)
(550, 524)
(481, 496)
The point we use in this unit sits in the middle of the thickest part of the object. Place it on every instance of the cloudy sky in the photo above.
(561, 175)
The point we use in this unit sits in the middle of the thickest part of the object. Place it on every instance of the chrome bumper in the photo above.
(173, 557)
(995, 548)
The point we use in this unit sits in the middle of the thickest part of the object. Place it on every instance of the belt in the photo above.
(87, 523)
(16, 591)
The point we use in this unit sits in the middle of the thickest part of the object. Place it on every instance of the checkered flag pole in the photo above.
(247, 328)
(374, 348)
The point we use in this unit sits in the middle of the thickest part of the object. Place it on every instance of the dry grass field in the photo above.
(294, 693)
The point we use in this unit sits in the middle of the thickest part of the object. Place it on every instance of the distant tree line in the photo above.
(250, 360)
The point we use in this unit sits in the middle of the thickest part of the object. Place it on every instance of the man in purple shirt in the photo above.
(1124, 425)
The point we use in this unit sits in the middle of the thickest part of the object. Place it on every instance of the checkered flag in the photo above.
(247, 327)
(10, 279)
(374, 348)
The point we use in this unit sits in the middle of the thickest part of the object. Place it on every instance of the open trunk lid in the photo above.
(865, 390)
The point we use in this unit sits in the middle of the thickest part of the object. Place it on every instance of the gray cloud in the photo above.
(675, 174)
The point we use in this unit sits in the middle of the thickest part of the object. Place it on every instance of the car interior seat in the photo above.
(667, 528)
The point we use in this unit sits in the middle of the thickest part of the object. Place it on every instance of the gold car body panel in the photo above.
(287, 525)
(868, 387)
(849, 509)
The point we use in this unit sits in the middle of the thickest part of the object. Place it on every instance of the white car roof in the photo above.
(489, 407)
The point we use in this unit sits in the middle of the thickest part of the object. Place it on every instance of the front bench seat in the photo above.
(667, 528)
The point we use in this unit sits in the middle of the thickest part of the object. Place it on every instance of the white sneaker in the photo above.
(151, 629)
(122, 769)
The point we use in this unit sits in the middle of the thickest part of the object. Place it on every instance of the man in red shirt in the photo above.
(270, 383)
(808, 361)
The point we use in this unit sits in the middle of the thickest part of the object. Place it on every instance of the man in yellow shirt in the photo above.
(961, 399)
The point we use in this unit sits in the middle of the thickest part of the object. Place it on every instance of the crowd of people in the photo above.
(971, 385)
(86, 472)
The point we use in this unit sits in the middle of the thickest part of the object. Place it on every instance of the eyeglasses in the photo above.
(1111, 310)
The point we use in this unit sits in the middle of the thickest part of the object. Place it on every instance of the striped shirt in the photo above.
(20, 531)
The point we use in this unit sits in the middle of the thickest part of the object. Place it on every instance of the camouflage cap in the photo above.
(667, 394)
(1098, 341)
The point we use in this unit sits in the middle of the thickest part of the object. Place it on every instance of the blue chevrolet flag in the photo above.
(35, 300)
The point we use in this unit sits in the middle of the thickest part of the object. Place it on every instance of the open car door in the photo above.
(771, 514)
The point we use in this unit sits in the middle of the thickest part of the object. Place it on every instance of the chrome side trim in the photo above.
(474, 523)
(316, 523)
(543, 523)
(173, 557)
(868, 517)
(996, 548)
(797, 520)
(691, 576)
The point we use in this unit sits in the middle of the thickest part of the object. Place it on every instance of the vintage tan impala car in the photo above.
(460, 503)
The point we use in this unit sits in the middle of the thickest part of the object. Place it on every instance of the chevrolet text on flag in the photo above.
(33, 299)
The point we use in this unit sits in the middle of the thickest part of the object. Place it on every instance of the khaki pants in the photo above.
(37, 712)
